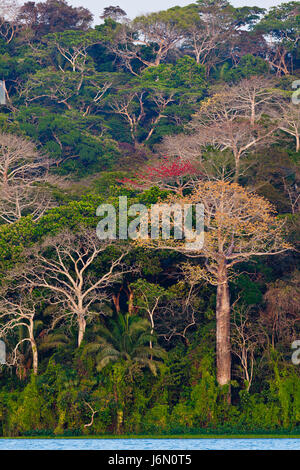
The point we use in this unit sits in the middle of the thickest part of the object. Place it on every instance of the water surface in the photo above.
(149, 444)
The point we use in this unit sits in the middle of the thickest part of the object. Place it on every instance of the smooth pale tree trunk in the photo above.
(252, 118)
(152, 329)
(223, 329)
(81, 328)
(35, 359)
(237, 167)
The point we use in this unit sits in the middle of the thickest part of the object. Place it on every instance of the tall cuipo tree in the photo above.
(238, 225)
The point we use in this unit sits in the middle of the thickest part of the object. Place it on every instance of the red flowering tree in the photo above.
(172, 174)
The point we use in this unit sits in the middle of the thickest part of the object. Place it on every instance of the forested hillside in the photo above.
(195, 104)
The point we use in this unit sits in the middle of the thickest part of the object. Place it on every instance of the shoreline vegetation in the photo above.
(200, 434)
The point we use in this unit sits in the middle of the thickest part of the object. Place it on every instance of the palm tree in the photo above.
(126, 338)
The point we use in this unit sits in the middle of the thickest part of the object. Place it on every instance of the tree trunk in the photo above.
(35, 359)
(197, 54)
(237, 167)
(152, 331)
(116, 301)
(252, 118)
(223, 329)
(82, 326)
(130, 294)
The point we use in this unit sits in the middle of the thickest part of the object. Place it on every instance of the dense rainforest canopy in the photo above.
(195, 104)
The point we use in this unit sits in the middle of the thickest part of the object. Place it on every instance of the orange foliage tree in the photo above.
(238, 225)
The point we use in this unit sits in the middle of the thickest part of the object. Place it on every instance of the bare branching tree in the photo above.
(244, 342)
(64, 267)
(288, 117)
(131, 107)
(253, 97)
(24, 179)
(231, 121)
(15, 314)
(209, 26)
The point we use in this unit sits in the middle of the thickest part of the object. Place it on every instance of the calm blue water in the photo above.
(149, 444)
